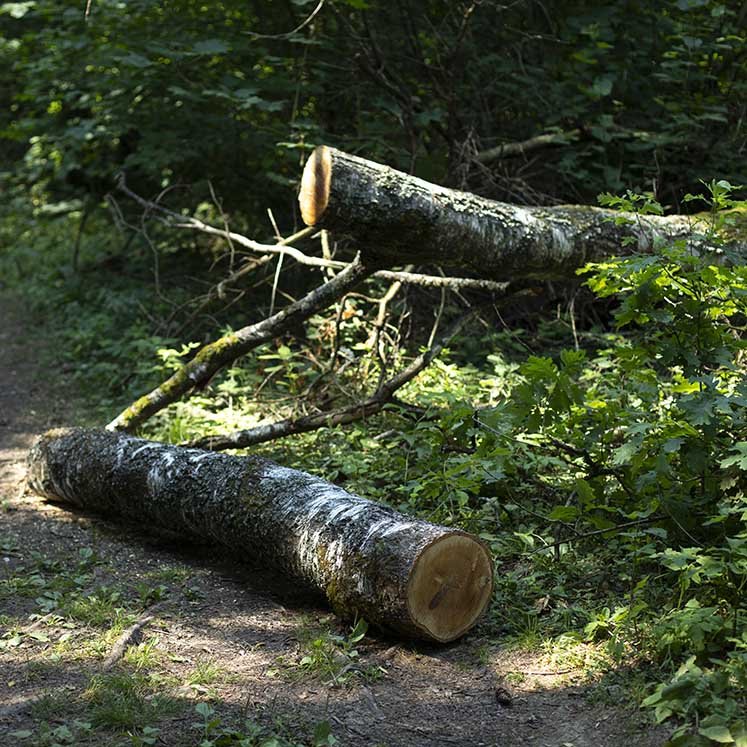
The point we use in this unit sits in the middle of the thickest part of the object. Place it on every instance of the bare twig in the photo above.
(198, 372)
(437, 319)
(224, 220)
(219, 290)
(175, 220)
(593, 533)
(327, 251)
(87, 210)
(380, 322)
(298, 28)
(275, 281)
(130, 637)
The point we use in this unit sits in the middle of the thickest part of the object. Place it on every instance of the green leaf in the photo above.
(539, 368)
(359, 631)
(16, 10)
(563, 513)
(204, 710)
(720, 734)
(135, 60)
(740, 459)
(652, 699)
(585, 492)
(602, 86)
(623, 454)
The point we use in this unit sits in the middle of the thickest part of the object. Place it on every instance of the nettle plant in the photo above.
(654, 430)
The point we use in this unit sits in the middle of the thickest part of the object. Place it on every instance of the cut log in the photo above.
(403, 574)
(396, 218)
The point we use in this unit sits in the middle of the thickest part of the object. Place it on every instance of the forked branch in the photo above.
(284, 248)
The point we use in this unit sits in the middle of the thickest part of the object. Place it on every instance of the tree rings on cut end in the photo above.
(315, 182)
(450, 586)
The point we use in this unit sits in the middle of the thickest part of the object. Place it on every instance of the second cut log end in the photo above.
(315, 183)
(450, 586)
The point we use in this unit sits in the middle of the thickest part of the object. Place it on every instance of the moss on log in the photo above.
(412, 577)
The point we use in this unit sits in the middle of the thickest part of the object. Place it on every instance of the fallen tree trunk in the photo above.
(415, 578)
(396, 218)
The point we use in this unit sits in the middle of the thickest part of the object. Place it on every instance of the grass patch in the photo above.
(329, 657)
(102, 608)
(58, 705)
(175, 575)
(127, 701)
(206, 672)
(145, 655)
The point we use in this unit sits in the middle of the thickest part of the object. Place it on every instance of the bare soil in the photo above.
(234, 636)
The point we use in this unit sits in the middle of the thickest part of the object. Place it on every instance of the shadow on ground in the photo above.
(248, 630)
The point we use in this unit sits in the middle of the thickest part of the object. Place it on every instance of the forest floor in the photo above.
(228, 635)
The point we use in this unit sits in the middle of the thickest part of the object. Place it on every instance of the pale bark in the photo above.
(284, 248)
(401, 573)
(510, 150)
(395, 218)
(398, 219)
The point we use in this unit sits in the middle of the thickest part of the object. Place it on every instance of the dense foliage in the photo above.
(180, 92)
(601, 453)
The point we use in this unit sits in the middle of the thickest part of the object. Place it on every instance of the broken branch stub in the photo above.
(401, 573)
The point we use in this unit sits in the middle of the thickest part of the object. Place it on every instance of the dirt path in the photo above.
(219, 636)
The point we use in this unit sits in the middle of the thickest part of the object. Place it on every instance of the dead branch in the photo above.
(130, 637)
(509, 150)
(218, 291)
(198, 372)
(284, 248)
(448, 282)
